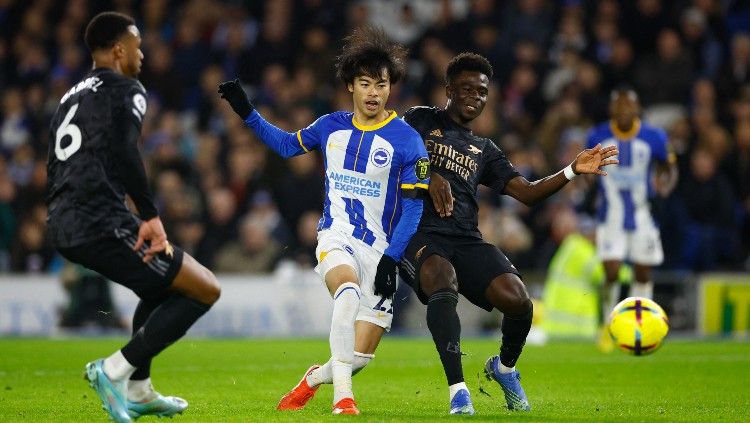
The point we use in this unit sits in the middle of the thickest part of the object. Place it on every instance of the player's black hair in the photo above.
(467, 61)
(623, 88)
(105, 29)
(366, 52)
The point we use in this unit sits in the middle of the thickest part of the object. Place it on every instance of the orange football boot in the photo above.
(300, 395)
(346, 406)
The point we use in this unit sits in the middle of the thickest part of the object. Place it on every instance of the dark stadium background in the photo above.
(227, 200)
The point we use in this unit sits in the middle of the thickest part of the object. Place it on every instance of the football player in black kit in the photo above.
(93, 163)
(447, 255)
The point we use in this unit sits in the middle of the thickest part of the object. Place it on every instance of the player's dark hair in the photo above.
(105, 29)
(367, 51)
(467, 61)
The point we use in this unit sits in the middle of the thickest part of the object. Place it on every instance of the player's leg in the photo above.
(645, 252)
(367, 337)
(140, 388)
(489, 280)
(427, 269)
(437, 280)
(192, 292)
(374, 317)
(343, 284)
(115, 259)
(610, 294)
(508, 294)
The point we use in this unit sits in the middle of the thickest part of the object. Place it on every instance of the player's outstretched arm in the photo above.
(286, 144)
(589, 161)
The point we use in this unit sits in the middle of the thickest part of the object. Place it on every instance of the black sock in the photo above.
(443, 322)
(141, 315)
(515, 329)
(167, 324)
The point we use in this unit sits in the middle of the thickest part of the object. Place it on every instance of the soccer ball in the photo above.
(638, 325)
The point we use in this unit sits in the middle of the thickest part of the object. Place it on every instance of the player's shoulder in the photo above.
(336, 119)
(403, 126)
(651, 133)
(420, 113)
(113, 81)
(600, 132)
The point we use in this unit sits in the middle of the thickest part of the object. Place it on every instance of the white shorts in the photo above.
(364, 259)
(641, 246)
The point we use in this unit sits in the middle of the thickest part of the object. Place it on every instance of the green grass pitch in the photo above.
(242, 380)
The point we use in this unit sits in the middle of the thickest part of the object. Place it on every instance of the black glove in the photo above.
(232, 92)
(385, 278)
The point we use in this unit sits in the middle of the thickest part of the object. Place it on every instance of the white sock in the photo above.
(320, 375)
(141, 390)
(323, 374)
(504, 369)
(456, 387)
(117, 368)
(642, 289)
(345, 308)
(360, 361)
(611, 297)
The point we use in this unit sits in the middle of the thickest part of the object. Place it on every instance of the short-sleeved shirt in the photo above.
(368, 170)
(85, 193)
(465, 160)
(625, 192)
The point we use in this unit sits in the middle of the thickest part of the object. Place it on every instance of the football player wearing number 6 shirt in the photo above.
(93, 163)
(376, 166)
(447, 255)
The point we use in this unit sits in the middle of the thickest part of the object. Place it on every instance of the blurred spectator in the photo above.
(256, 251)
(159, 71)
(705, 47)
(664, 77)
(301, 189)
(221, 227)
(14, 129)
(736, 71)
(709, 238)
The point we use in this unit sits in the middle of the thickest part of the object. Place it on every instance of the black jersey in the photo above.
(466, 161)
(85, 188)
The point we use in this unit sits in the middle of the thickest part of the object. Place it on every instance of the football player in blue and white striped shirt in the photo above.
(627, 230)
(376, 166)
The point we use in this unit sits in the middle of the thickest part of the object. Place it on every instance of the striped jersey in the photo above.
(624, 194)
(368, 169)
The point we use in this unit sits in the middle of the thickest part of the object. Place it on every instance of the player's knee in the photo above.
(437, 273)
(211, 289)
(360, 361)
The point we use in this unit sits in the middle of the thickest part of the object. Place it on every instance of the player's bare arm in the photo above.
(589, 161)
(666, 176)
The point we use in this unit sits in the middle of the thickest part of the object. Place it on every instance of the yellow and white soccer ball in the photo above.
(638, 325)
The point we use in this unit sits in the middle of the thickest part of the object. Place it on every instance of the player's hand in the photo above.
(440, 192)
(232, 92)
(385, 278)
(592, 160)
(153, 232)
(665, 180)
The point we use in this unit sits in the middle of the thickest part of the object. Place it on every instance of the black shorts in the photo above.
(114, 258)
(476, 262)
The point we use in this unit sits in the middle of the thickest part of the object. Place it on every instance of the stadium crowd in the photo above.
(237, 208)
